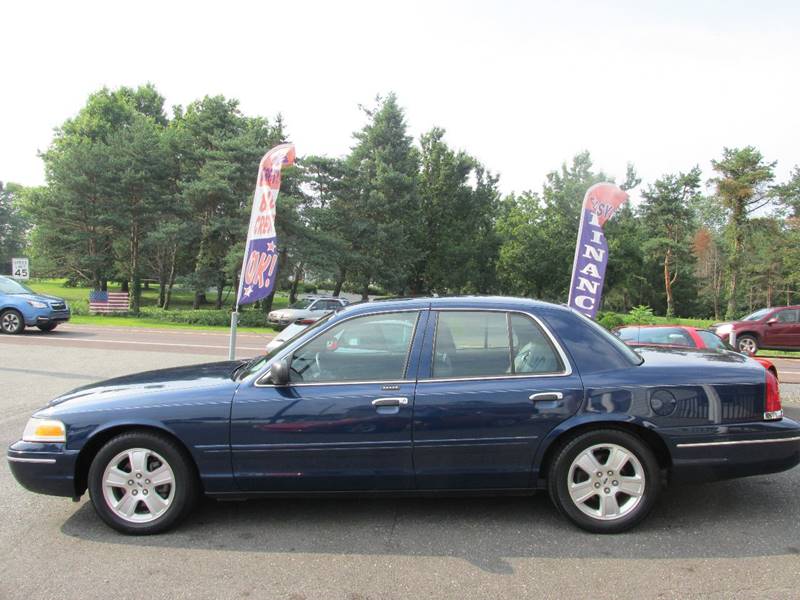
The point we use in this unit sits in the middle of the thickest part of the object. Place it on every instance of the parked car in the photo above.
(680, 336)
(458, 395)
(305, 308)
(768, 328)
(289, 332)
(20, 306)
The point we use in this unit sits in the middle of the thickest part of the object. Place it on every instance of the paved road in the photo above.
(788, 369)
(731, 539)
(184, 341)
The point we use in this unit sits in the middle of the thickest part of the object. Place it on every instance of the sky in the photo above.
(522, 86)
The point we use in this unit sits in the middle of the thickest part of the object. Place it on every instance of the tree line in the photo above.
(133, 193)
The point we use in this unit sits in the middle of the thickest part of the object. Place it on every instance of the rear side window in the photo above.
(665, 335)
(471, 344)
(482, 344)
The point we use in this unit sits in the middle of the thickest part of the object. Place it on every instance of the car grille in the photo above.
(58, 306)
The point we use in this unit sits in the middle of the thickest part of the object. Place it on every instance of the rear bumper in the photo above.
(738, 451)
(43, 468)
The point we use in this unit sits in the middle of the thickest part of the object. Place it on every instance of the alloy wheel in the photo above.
(138, 485)
(10, 322)
(606, 481)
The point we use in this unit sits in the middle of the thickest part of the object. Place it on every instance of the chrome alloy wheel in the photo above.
(138, 485)
(606, 481)
(748, 345)
(10, 322)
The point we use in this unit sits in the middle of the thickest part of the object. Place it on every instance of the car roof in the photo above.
(476, 302)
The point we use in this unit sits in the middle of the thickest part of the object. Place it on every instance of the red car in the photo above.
(679, 336)
(776, 328)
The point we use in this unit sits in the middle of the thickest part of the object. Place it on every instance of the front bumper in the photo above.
(46, 316)
(43, 468)
(734, 451)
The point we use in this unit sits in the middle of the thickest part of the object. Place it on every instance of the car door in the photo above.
(781, 329)
(491, 385)
(344, 420)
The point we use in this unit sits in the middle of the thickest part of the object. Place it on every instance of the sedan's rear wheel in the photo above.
(11, 321)
(142, 483)
(605, 481)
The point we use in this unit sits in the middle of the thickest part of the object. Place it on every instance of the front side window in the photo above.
(787, 316)
(491, 344)
(628, 334)
(369, 348)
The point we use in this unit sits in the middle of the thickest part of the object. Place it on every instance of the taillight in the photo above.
(772, 407)
(304, 321)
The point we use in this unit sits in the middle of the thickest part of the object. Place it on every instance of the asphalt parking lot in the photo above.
(731, 539)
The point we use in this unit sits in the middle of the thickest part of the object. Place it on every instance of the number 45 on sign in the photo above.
(19, 268)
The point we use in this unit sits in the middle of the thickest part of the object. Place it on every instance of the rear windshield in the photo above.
(672, 336)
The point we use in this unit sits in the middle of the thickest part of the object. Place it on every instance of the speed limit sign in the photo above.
(19, 268)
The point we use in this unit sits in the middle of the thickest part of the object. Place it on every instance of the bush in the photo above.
(208, 317)
(611, 320)
(640, 315)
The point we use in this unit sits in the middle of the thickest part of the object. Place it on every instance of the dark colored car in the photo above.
(768, 328)
(680, 336)
(459, 395)
(20, 306)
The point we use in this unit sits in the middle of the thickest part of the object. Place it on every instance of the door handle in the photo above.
(546, 396)
(390, 402)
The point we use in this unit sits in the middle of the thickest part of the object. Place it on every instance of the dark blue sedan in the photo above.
(436, 396)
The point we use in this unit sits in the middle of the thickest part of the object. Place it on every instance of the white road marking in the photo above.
(135, 330)
(102, 341)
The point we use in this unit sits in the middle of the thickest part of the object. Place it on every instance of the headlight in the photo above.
(724, 329)
(44, 430)
(37, 304)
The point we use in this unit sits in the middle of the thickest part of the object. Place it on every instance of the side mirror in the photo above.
(279, 372)
(772, 321)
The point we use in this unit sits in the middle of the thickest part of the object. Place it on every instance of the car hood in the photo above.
(39, 297)
(149, 383)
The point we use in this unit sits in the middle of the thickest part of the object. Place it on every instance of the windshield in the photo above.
(9, 286)
(257, 363)
(759, 314)
(623, 348)
(301, 304)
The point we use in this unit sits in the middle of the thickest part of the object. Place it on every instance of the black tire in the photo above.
(48, 327)
(746, 341)
(186, 485)
(559, 473)
(12, 322)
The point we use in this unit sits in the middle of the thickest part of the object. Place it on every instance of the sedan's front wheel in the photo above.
(605, 481)
(142, 483)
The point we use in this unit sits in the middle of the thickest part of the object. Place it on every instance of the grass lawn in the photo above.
(180, 309)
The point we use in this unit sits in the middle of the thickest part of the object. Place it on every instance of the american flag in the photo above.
(107, 302)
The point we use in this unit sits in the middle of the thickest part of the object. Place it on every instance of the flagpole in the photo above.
(232, 341)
